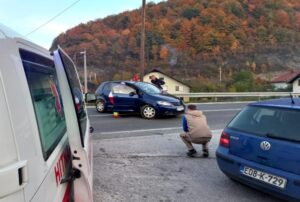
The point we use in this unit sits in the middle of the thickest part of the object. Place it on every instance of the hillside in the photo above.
(192, 39)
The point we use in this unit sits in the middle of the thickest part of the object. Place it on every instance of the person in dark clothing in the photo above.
(157, 82)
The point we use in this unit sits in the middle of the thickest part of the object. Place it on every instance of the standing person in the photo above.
(135, 77)
(195, 130)
(156, 81)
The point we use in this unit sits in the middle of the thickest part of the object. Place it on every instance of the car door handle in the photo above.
(263, 158)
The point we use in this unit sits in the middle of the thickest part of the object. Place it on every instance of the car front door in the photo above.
(78, 127)
(125, 97)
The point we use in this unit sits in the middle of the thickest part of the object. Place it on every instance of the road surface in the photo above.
(144, 160)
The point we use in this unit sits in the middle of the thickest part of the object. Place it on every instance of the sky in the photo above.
(25, 16)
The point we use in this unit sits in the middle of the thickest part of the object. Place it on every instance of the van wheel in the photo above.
(100, 106)
(148, 112)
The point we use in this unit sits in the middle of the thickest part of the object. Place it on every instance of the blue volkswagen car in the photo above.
(260, 147)
(139, 97)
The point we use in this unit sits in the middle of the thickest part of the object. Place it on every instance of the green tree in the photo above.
(243, 82)
(190, 13)
(235, 9)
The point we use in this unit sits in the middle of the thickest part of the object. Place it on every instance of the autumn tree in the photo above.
(190, 33)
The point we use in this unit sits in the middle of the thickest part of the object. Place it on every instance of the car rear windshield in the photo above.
(273, 122)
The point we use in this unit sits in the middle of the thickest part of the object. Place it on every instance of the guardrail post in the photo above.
(186, 99)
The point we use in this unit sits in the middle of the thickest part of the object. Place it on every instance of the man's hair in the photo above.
(192, 107)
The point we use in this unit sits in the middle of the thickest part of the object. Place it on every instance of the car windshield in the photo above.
(270, 122)
(148, 88)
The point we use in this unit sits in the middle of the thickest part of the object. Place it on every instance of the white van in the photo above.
(45, 142)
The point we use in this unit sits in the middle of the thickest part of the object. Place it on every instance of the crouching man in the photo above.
(195, 130)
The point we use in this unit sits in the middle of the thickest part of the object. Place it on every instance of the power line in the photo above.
(57, 15)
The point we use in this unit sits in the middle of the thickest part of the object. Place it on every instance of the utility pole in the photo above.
(142, 53)
(85, 71)
(220, 74)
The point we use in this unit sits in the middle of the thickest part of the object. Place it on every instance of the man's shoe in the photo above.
(205, 153)
(191, 152)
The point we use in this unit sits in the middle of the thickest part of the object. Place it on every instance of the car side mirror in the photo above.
(140, 93)
(132, 94)
(90, 97)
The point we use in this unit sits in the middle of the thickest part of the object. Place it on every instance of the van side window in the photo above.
(43, 85)
(77, 94)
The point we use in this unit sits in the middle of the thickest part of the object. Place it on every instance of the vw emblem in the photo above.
(265, 145)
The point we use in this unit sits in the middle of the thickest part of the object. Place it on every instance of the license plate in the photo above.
(265, 177)
(180, 108)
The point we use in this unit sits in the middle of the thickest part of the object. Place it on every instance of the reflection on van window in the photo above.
(45, 94)
(76, 93)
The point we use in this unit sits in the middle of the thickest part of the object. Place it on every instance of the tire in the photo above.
(148, 112)
(100, 106)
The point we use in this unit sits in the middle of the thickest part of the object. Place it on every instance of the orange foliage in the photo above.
(297, 20)
(125, 32)
(234, 45)
(217, 27)
(164, 52)
(282, 17)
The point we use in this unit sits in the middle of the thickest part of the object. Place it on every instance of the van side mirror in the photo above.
(90, 97)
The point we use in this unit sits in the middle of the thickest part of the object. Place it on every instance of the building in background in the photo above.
(172, 85)
(285, 79)
(296, 83)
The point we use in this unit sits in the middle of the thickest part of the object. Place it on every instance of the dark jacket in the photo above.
(158, 83)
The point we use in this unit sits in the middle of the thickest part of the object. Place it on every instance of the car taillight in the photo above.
(111, 98)
(224, 140)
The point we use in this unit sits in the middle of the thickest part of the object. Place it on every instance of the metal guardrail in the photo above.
(239, 94)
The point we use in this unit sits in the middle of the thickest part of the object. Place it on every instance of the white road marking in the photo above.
(221, 110)
(140, 130)
(205, 103)
(146, 130)
(208, 110)
(219, 103)
(100, 115)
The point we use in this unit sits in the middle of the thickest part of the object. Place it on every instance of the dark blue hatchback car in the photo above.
(261, 147)
(140, 97)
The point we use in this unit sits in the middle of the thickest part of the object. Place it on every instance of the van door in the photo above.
(78, 126)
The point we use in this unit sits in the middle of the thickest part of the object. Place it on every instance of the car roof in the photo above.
(101, 86)
(126, 82)
(134, 82)
(280, 103)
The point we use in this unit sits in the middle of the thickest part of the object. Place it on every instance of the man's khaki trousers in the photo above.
(201, 140)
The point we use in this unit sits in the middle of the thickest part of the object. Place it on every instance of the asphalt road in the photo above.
(218, 115)
(144, 160)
